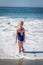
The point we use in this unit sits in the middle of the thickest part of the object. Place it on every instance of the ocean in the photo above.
(33, 24)
(22, 12)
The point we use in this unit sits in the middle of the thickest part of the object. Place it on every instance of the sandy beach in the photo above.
(20, 62)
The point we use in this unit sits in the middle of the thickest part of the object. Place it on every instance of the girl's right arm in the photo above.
(16, 35)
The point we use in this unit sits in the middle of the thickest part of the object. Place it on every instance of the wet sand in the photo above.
(21, 62)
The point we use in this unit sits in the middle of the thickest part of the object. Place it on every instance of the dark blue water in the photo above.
(22, 12)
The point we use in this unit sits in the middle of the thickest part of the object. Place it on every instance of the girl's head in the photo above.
(21, 23)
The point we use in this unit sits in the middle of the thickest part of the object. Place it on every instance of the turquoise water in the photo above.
(22, 12)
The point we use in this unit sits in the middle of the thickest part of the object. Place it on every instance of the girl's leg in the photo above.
(22, 46)
(19, 45)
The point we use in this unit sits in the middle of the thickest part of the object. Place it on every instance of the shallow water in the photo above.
(21, 62)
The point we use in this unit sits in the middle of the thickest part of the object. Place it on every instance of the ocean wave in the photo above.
(34, 35)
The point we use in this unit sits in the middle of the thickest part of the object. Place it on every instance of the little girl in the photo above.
(20, 36)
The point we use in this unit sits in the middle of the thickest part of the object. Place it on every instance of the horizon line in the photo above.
(18, 6)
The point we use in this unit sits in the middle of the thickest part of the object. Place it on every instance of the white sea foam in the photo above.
(34, 36)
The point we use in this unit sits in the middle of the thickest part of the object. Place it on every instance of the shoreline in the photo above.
(20, 62)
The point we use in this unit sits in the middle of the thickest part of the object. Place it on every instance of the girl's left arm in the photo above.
(24, 35)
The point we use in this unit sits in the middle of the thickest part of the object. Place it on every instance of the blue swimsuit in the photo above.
(20, 37)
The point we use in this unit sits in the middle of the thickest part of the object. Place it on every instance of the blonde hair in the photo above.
(21, 22)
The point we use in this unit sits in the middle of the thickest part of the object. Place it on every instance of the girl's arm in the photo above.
(24, 35)
(16, 35)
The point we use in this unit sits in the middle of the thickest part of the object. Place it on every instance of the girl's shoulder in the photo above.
(17, 29)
